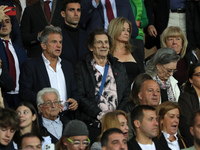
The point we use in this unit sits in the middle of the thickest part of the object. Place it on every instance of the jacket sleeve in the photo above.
(26, 83)
(87, 103)
(149, 5)
(186, 113)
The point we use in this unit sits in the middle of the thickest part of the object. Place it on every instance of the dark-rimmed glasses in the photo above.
(170, 70)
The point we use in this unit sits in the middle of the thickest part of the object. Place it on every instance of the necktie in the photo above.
(47, 10)
(11, 62)
(109, 11)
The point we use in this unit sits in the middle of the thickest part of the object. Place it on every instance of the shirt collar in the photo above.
(47, 62)
(166, 135)
(49, 122)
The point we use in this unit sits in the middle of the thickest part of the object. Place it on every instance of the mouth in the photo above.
(6, 140)
(58, 50)
(21, 121)
(174, 127)
(126, 134)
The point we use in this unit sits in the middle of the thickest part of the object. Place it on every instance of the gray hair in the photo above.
(162, 56)
(49, 30)
(45, 91)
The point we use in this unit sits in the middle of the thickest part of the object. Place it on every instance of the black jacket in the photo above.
(189, 102)
(44, 132)
(133, 145)
(86, 87)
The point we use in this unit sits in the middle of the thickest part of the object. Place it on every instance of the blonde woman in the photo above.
(120, 30)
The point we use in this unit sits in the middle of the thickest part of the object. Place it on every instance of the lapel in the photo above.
(39, 10)
(3, 54)
(43, 70)
(100, 9)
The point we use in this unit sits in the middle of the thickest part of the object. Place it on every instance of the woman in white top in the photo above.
(168, 118)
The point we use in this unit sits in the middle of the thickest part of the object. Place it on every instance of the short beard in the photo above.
(197, 140)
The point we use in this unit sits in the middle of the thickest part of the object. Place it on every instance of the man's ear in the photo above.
(63, 14)
(192, 130)
(43, 45)
(39, 108)
(191, 81)
(137, 123)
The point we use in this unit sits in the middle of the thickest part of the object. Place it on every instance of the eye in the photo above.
(12, 131)
(3, 129)
(18, 113)
(25, 112)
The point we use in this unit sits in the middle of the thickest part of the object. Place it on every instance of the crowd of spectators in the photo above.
(73, 75)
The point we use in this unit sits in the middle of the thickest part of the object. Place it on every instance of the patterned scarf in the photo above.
(166, 86)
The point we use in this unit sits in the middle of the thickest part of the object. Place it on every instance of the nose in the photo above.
(81, 147)
(155, 92)
(8, 133)
(122, 146)
(127, 127)
(156, 122)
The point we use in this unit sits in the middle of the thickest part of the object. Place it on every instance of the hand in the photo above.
(2, 12)
(97, 1)
(0, 63)
(73, 105)
(61, 107)
(152, 30)
(138, 23)
(1, 100)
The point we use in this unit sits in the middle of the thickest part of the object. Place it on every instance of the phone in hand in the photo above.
(50, 146)
(12, 11)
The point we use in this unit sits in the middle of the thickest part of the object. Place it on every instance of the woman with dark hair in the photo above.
(189, 99)
(161, 68)
(28, 121)
(168, 119)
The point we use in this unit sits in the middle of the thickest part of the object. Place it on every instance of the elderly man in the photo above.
(9, 123)
(30, 141)
(102, 81)
(113, 139)
(49, 70)
(49, 105)
(144, 121)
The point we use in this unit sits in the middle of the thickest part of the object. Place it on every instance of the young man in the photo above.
(9, 123)
(144, 121)
(30, 141)
(113, 139)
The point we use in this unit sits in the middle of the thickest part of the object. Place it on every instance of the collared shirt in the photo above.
(175, 4)
(55, 127)
(57, 79)
(147, 146)
(172, 145)
(12, 50)
(113, 5)
(108, 98)
(50, 4)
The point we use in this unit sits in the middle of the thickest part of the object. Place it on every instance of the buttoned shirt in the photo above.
(57, 79)
(172, 145)
(55, 127)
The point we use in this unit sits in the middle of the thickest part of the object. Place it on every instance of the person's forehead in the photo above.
(79, 138)
(100, 37)
(73, 5)
(150, 84)
(116, 136)
(31, 140)
(149, 113)
(7, 18)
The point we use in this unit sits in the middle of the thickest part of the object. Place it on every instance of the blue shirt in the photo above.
(175, 4)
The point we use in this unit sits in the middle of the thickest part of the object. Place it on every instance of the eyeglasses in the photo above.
(196, 74)
(49, 103)
(170, 70)
(77, 143)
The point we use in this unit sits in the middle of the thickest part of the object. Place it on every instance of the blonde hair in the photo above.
(174, 31)
(115, 28)
(161, 110)
(110, 120)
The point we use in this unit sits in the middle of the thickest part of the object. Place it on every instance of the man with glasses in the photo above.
(75, 136)
(49, 106)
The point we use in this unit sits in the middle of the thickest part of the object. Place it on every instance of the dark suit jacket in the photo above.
(163, 142)
(34, 77)
(44, 132)
(21, 54)
(92, 18)
(133, 145)
(68, 50)
(34, 21)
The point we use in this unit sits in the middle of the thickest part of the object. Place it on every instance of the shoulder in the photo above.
(96, 146)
